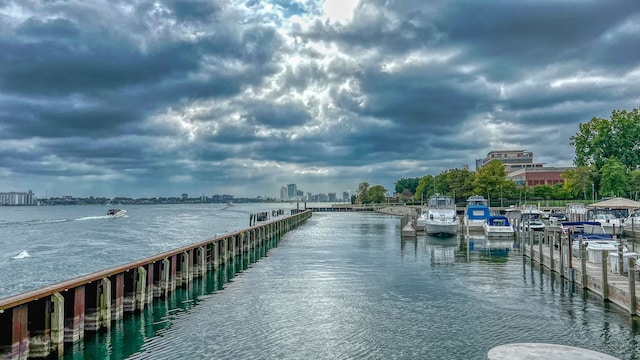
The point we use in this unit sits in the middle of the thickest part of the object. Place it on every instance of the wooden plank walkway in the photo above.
(596, 277)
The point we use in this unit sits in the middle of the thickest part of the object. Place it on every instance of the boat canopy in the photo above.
(498, 220)
(478, 212)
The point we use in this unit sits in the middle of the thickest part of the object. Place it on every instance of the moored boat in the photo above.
(531, 218)
(441, 218)
(476, 213)
(498, 226)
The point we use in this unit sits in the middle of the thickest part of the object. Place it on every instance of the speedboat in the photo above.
(531, 218)
(498, 226)
(587, 232)
(116, 213)
(476, 213)
(441, 216)
(611, 224)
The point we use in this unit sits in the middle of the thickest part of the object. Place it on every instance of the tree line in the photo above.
(607, 163)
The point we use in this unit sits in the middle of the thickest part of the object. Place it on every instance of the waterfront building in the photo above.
(512, 159)
(283, 193)
(531, 177)
(15, 198)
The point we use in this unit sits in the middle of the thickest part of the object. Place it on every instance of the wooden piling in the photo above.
(605, 273)
(632, 286)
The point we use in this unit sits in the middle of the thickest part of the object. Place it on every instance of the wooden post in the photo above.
(561, 252)
(552, 261)
(531, 242)
(57, 324)
(19, 332)
(620, 256)
(141, 289)
(165, 277)
(583, 264)
(605, 273)
(540, 249)
(632, 286)
(104, 303)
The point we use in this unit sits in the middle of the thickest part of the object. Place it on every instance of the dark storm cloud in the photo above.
(278, 115)
(167, 93)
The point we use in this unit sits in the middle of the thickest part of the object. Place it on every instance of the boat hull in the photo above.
(441, 229)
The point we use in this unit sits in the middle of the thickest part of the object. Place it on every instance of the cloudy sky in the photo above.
(155, 98)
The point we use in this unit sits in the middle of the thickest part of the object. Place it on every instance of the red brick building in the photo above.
(531, 177)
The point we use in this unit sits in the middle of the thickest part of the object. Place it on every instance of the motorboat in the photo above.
(576, 212)
(116, 213)
(531, 218)
(611, 224)
(586, 232)
(498, 226)
(632, 223)
(441, 216)
(422, 219)
(476, 213)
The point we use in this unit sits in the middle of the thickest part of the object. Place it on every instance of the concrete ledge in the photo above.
(522, 351)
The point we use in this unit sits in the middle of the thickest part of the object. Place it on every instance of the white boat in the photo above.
(531, 218)
(498, 226)
(422, 219)
(632, 224)
(587, 233)
(576, 212)
(116, 213)
(611, 224)
(441, 216)
(476, 213)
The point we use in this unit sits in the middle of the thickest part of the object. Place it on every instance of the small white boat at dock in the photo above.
(498, 226)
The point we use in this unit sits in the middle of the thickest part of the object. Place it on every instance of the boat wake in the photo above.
(93, 218)
(23, 254)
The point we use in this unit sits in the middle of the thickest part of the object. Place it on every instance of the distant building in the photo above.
(512, 159)
(292, 191)
(18, 198)
(531, 177)
(332, 197)
(283, 193)
(346, 196)
(185, 196)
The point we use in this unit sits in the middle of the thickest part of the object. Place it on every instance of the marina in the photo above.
(347, 285)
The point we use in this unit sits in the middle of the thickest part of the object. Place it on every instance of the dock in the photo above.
(43, 323)
(614, 281)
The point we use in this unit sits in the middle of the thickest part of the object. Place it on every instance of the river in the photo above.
(342, 286)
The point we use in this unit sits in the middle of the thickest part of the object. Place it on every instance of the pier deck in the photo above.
(600, 278)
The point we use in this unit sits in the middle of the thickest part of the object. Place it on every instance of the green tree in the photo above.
(410, 184)
(634, 184)
(425, 188)
(602, 139)
(362, 194)
(543, 191)
(377, 194)
(614, 178)
(491, 180)
(579, 182)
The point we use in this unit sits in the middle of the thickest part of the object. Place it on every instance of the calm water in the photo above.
(343, 286)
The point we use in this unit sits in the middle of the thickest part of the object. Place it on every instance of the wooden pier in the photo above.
(39, 323)
(614, 282)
